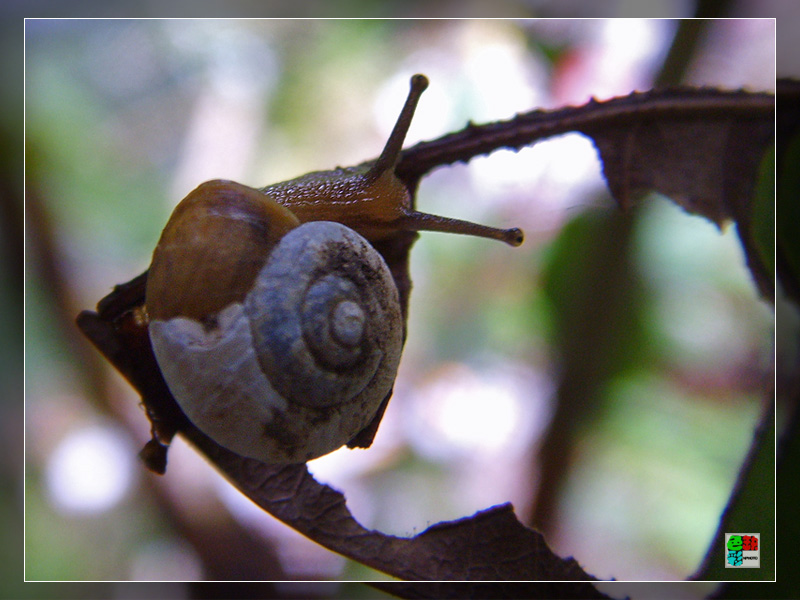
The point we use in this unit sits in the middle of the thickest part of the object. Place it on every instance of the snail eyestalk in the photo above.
(391, 151)
(418, 221)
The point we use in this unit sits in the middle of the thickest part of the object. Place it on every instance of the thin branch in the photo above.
(697, 104)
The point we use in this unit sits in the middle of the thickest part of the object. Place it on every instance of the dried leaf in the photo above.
(489, 545)
(705, 161)
(700, 147)
(517, 590)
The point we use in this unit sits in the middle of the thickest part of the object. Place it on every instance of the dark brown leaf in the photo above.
(490, 545)
(698, 146)
(518, 590)
(615, 116)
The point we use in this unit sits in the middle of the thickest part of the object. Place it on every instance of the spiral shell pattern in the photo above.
(325, 316)
(302, 365)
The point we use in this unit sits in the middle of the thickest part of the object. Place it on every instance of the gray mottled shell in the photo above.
(324, 315)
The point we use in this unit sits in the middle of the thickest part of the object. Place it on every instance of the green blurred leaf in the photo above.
(788, 207)
(594, 298)
(763, 225)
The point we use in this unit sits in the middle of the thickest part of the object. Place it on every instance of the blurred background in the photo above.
(605, 377)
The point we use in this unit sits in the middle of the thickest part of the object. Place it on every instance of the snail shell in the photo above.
(299, 365)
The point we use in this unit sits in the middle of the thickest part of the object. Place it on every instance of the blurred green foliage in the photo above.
(787, 206)
(763, 230)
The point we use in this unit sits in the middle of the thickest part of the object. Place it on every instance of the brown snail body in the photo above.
(275, 322)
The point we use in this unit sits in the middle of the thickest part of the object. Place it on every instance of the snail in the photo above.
(273, 319)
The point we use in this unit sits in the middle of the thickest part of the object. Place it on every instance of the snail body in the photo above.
(275, 322)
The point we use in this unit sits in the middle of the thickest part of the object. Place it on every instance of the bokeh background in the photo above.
(124, 117)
